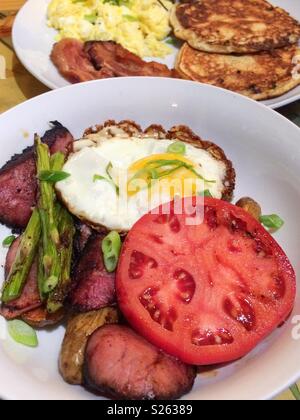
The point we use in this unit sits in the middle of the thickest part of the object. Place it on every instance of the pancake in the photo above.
(260, 76)
(234, 26)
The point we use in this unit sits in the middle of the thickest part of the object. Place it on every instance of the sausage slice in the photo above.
(120, 363)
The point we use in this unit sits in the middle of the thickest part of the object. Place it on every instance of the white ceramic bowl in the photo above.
(265, 149)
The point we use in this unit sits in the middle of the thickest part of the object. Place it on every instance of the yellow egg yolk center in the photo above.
(168, 173)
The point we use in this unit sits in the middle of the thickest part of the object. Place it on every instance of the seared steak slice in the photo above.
(30, 297)
(94, 287)
(18, 184)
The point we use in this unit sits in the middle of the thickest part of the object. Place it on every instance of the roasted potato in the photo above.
(79, 328)
(251, 206)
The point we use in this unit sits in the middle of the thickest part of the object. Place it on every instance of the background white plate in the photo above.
(33, 41)
(264, 147)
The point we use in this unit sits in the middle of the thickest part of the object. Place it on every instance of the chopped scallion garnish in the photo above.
(177, 147)
(53, 176)
(8, 241)
(272, 222)
(22, 333)
(111, 247)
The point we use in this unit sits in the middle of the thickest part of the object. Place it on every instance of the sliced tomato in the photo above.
(205, 293)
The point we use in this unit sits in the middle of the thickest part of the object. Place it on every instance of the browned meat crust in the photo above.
(93, 286)
(18, 185)
(40, 317)
(18, 188)
(82, 235)
(59, 139)
(123, 365)
(30, 297)
(180, 132)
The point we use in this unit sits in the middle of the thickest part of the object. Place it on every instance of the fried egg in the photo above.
(113, 182)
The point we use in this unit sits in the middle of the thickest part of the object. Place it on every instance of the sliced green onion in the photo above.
(22, 333)
(111, 247)
(272, 221)
(171, 41)
(50, 284)
(174, 165)
(130, 18)
(99, 178)
(295, 391)
(92, 18)
(8, 241)
(206, 193)
(178, 148)
(53, 176)
(110, 179)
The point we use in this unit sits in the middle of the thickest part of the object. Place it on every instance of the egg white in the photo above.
(98, 202)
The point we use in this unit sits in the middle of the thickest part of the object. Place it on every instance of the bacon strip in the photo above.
(121, 62)
(73, 62)
(79, 62)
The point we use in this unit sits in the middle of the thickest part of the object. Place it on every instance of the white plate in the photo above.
(264, 147)
(33, 41)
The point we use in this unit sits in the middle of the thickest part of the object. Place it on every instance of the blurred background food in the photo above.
(138, 25)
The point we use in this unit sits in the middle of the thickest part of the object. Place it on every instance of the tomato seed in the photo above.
(241, 312)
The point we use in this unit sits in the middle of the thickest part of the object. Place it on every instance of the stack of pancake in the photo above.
(248, 46)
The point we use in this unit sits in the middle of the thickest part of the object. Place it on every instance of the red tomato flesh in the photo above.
(206, 293)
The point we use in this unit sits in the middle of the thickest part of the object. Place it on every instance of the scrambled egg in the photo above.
(138, 25)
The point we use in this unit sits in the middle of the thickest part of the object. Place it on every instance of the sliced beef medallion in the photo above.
(30, 298)
(121, 364)
(59, 139)
(18, 185)
(18, 188)
(94, 287)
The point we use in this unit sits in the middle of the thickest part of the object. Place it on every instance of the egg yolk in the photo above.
(164, 173)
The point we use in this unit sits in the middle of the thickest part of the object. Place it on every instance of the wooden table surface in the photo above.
(19, 85)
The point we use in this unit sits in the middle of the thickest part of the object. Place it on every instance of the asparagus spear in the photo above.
(41, 277)
(50, 235)
(66, 231)
(17, 276)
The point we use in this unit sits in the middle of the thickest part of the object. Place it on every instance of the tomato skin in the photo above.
(234, 285)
